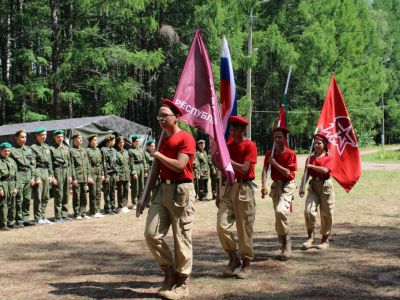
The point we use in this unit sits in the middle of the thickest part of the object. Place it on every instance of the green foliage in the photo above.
(123, 57)
(244, 106)
(365, 138)
(33, 117)
(5, 93)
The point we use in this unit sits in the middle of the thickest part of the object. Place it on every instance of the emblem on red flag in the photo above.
(340, 133)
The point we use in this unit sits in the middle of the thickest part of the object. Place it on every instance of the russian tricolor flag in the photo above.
(228, 95)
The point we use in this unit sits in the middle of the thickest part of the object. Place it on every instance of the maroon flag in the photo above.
(334, 122)
(195, 95)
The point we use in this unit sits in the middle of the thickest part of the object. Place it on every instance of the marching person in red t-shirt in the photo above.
(173, 203)
(283, 167)
(238, 203)
(320, 192)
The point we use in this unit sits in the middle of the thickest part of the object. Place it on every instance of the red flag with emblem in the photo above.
(334, 122)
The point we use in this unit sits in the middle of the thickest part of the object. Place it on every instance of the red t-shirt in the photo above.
(241, 152)
(180, 142)
(286, 159)
(323, 161)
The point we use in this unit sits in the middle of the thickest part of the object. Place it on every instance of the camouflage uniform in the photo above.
(61, 162)
(8, 177)
(149, 162)
(110, 173)
(204, 171)
(44, 170)
(138, 167)
(80, 172)
(196, 174)
(96, 163)
(24, 158)
(124, 172)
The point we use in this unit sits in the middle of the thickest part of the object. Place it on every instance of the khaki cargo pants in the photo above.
(320, 193)
(237, 204)
(282, 196)
(173, 205)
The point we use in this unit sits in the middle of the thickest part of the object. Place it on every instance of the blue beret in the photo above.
(40, 130)
(58, 131)
(135, 137)
(150, 142)
(5, 145)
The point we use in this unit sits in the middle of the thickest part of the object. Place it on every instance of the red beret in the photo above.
(173, 107)
(281, 129)
(238, 120)
(321, 137)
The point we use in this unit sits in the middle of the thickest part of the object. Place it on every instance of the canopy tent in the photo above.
(101, 125)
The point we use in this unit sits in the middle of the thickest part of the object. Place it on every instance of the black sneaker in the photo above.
(116, 210)
(58, 220)
(4, 228)
(67, 219)
(19, 225)
(29, 223)
(109, 212)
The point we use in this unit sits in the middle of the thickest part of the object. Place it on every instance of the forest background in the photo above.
(75, 58)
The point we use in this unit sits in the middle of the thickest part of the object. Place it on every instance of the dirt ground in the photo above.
(108, 258)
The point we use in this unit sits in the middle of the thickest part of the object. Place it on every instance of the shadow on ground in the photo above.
(102, 290)
(109, 270)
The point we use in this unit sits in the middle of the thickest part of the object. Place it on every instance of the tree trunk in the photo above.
(20, 44)
(55, 58)
(71, 13)
(4, 49)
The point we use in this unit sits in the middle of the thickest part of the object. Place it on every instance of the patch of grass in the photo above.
(382, 156)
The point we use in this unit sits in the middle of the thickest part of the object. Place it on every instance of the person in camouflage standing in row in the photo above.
(96, 163)
(202, 158)
(27, 177)
(8, 190)
(44, 170)
(214, 179)
(61, 162)
(138, 169)
(150, 147)
(196, 176)
(110, 174)
(81, 176)
(124, 173)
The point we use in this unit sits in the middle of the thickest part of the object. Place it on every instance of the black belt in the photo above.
(7, 178)
(23, 170)
(138, 162)
(243, 180)
(321, 178)
(60, 167)
(167, 181)
(239, 181)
